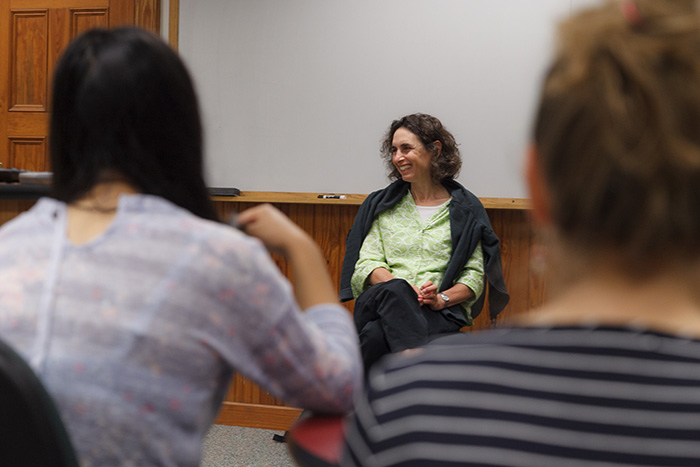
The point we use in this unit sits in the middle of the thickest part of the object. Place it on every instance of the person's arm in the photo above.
(312, 283)
(308, 359)
(468, 286)
(380, 275)
(371, 259)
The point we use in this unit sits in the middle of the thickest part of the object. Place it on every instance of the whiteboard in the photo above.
(296, 95)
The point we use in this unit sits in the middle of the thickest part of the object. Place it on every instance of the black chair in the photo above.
(31, 430)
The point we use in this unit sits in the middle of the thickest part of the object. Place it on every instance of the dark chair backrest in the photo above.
(31, 430)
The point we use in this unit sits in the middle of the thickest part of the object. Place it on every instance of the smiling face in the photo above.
(410, 157)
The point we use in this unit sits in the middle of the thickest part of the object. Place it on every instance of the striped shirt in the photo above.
(562, 396)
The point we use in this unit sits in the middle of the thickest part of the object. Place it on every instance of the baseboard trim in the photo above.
(269, 417)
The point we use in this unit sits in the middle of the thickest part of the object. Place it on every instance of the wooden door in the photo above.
(33, 33)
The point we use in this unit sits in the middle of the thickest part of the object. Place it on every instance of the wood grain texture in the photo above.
(257, 416)
(55, 4)
(147, 15)
(59, 37)
(5, 78)
(121, 12)
(35, 34)
(28, 124)
(28, 153)
(537, 277)
(29, 60)
(174, 23)
(347, 217)
(514, 233)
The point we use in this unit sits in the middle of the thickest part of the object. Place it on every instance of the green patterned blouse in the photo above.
(415, 251)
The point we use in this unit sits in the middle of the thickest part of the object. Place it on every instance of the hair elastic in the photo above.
(630, 11)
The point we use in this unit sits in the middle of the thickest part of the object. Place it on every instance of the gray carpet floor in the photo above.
(233, 446)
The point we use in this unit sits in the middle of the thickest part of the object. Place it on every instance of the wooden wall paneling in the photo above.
(35, 33)
(303, 216)
(29, 153)
(257, 416)
(265, 398)
(326, 233)
(224, 210)
(245, 391)
(59, 36)
(11, 208)
(483, 321)
(121, 12)
(174, 23)
(537, 274)
(147, 15)
(29, 53)
(242, 390)
(347, 217)
(513, 230)
(516, 249)
(82, 20)
(28, 124)
(5, 40)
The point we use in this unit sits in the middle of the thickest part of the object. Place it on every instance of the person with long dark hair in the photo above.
(130, 301)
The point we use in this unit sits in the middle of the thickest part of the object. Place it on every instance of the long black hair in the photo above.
(124, 106)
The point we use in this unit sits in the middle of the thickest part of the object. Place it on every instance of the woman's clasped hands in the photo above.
(428, 295)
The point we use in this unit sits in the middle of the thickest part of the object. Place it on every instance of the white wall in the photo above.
(297, 94)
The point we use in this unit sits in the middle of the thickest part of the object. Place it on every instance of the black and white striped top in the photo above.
(563, 396)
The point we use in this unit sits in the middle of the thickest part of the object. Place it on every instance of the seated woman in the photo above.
(608, 371)
(419, 250)
(131, 303)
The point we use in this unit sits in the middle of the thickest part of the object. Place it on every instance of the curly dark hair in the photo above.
(429, 130)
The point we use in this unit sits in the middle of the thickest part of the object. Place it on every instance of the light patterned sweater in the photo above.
(136, 333)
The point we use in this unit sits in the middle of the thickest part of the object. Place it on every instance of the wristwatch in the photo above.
(444, 297)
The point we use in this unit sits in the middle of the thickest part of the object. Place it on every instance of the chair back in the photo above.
(317, 440)
(31, 430)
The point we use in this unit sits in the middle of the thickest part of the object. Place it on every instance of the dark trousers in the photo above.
(389, 319)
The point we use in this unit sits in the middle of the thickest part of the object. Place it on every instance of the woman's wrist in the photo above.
(295, 241)
(312, 283)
